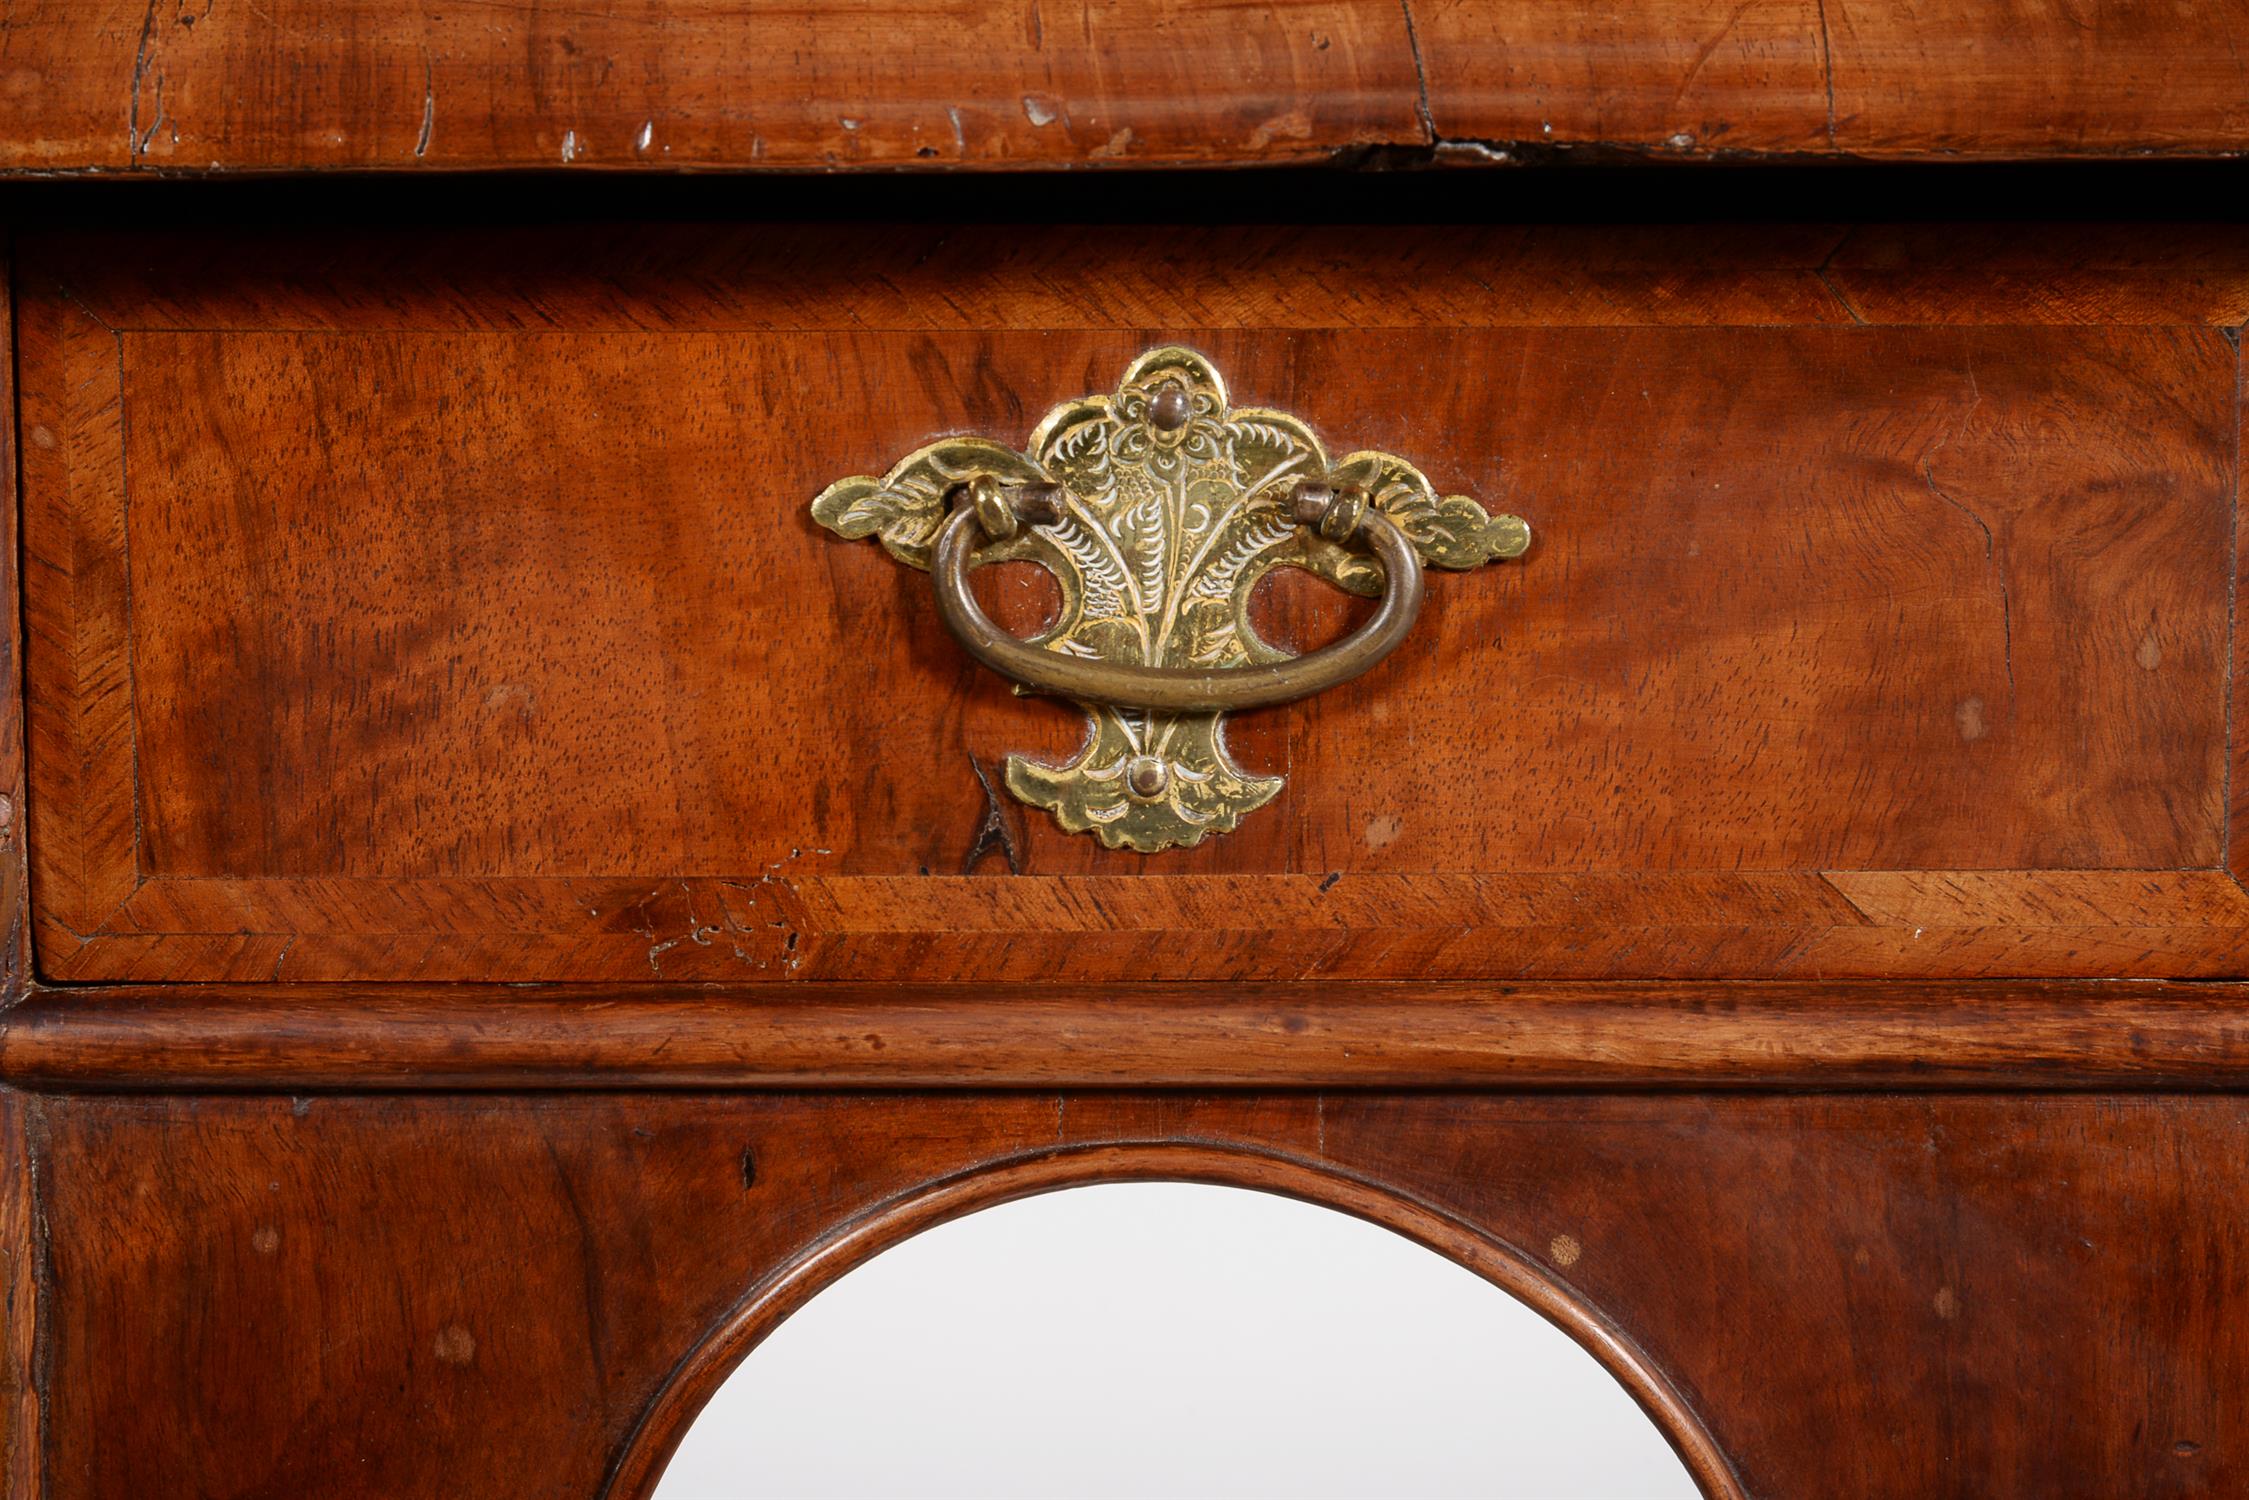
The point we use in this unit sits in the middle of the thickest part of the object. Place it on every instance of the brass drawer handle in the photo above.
(1341, 516)
(1157, 508)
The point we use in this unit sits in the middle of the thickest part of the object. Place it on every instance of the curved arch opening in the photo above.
(1150, 1338)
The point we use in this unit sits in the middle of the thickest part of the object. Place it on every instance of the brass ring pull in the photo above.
(989, 509)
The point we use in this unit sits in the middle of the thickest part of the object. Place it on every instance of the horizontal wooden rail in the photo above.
(110, 86)
(304, 1038)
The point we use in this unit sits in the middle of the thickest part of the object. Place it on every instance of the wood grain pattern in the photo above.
(2237, 725)
(778, 1297)
(108, 86)
(2004, 77)
(516, 1279)
(84, 850)
(1682, 924)
(663, 85)
(1885, 651)
(1890, 1034)
(22, 1279)
(1680, 76)
(15, 883)
(1881, 78)
(2061, 273)
(24, 1285)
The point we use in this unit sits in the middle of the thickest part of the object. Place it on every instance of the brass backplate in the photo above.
(1174, 504)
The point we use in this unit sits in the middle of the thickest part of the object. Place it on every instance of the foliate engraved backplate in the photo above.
(1174, 504)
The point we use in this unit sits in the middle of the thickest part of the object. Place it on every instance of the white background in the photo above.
(1157, 1339)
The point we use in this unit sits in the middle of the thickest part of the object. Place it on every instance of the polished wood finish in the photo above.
(24, 1288)
(2237, 825)
(779, 1295)
(15, 886)
(312, 1038)
(1878, 78)
(1850, 1295)
(24, 1284)
(662, 85)
(118, 86)
(410, 605)
(535, 668)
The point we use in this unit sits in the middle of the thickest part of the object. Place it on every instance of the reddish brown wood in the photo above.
(15, 931)
(2059, 273)
(797, 277)
(1678, 76)
(1883, 652)
(1532, 926)
(491, 1295)
(662, 85)
(1999, 77)
(106, 86)
(22, 1282)
(1887, 78)
(24, 1285)
(2237, 726)
(82, 827)
(414, 605)
(1372, 1035)
(779, 1295)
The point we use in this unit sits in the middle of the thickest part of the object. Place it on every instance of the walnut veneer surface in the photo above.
(121, 86)
(1896, 644)
(501, 907)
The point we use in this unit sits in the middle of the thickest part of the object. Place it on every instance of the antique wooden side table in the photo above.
(655, 643)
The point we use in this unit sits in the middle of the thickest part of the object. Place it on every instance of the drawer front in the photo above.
(452, 608)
